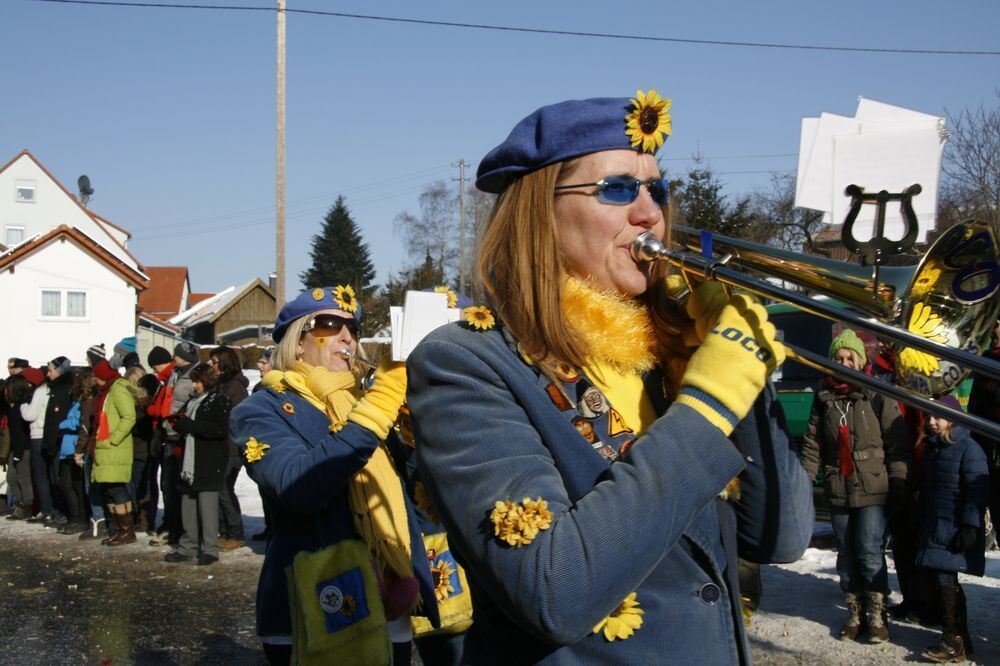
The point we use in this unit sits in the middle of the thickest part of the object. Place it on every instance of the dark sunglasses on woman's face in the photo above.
(326, 325)
(623, 190)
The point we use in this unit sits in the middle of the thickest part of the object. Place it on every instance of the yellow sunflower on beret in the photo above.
(649, 121)
(452, 296)
(344, 296)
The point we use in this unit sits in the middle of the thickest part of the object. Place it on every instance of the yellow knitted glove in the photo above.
(378, 410)
(728, 371)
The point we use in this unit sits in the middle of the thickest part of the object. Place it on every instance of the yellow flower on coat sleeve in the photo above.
(255, 450)
(517, 524)
(623, 620)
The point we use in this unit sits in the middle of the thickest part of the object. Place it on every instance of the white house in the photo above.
(67, 279)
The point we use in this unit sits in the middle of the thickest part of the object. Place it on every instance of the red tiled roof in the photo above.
(84, 242)
(100, 221)
(166, 285)
(195, 299)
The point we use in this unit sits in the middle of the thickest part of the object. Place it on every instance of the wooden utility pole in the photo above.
(461, 226)
(279, 269)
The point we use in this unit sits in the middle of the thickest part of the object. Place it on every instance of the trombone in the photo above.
(938, 315)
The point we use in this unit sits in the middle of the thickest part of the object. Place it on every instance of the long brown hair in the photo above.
(521, 269)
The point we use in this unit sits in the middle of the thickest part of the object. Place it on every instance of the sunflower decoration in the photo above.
(349, 606)
(623, 620)
(648, 122)
(927, 324)
(479, 317)
(926, 280)
(442, 571)
(255, 450)
(318, 294)
(452, 296)
(289, 408)
(344, 296)
(518, 523)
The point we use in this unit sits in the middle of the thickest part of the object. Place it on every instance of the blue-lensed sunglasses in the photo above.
(623, 190)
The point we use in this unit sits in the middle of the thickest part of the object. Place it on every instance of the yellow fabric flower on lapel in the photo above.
(344, 296)
(517, 524)
(452, 296)
(479, 317)
(649, 121)
(623, 621)
(255, 450)
(442, 571)
(289, 408)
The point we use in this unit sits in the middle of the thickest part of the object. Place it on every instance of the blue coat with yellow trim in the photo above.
(650, 523)
(303, 478)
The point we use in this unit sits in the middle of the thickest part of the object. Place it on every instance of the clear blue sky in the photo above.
(171, 112)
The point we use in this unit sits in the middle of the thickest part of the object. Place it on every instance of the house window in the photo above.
(25, 191)
(13, 235)
(76, 304)
(64, 304)
(51, 303)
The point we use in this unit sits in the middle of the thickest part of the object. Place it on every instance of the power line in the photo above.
(538, 31)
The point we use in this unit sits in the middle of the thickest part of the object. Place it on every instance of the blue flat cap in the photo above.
(574, 128)
(313, 300)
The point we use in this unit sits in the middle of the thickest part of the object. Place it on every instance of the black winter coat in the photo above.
(209, 428)
(236, 390)
(60, 400)
(20, 437)
(984, 401)
(956, 487)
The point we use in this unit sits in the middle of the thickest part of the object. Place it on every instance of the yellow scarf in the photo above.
(376, 492)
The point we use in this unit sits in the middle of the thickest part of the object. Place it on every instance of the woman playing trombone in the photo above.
(597, 476)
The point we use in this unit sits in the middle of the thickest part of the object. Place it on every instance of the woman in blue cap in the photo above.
(344, 566)
(599, 457)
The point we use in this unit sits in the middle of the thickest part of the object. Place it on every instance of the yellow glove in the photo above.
(728, 371)
(704, 306)
(378, 410)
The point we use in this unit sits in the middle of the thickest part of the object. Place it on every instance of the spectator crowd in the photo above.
(87, 451)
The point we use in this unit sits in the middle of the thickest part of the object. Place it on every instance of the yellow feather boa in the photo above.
(376, 492)
(614, 329)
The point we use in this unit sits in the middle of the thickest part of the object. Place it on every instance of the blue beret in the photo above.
(574, 128)
(314, 300)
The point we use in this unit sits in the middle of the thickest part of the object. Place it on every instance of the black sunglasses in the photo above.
(325, 325)
(623, 190)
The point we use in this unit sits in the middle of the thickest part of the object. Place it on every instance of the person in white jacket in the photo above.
(34, 414)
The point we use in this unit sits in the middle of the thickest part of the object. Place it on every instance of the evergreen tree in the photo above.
(339, 255)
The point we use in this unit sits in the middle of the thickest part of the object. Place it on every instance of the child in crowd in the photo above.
(951, 536)
(70, 465)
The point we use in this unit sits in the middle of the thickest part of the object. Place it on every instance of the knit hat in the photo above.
(340, 297)
(96, 353)
(186, 351)
(573, 128)
(62, 364)
(105, 372)
(157, 356)
(34, 376)
(848, 339)
(950, 401)
(124, 346)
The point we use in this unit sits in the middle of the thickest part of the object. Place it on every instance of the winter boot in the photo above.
(126, 528)
(19, 513)
(109, 513)
(878, 632)
(853, 625)
(951, 648)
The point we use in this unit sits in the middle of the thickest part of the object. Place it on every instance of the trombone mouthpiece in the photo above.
(647, 247)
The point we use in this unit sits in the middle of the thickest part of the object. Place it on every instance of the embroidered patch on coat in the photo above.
(558, 398)
(616, 424)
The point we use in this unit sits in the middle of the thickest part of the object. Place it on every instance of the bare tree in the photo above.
(435, 232)
(972, 163)
(790, 228)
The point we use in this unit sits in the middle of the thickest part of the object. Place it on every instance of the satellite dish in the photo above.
(83, 184)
